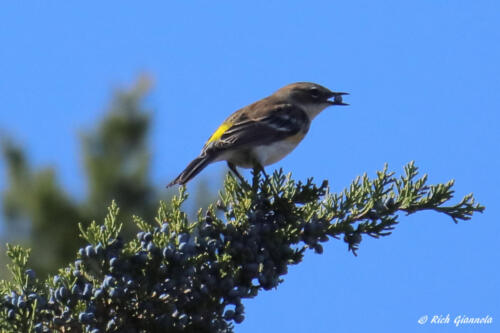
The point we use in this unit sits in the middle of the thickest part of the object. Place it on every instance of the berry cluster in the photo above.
(178, 276)
(192, 277)
(167, 279)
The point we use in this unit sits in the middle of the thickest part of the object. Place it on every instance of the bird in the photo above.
(265, 131)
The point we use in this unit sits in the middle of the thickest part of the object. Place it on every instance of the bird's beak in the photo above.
(337, 98)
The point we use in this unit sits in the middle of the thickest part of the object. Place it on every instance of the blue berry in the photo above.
(30, 273)
(86, 317)
(168, 252)
(75, 290)
(150, 247)
(89, 251)
(63, 292)
(239, 309)
(110, 325)
(116, 292)
(98, 293)
(147, 237)
(21, 303)
(183, 247)
(13, 298)
(108, 281)
(66, 315)
(229, 314)
(99, 250)
(78, 263)
(114, 262)
(212, 245)
(183, 319)
(183, 238)
(87, 290)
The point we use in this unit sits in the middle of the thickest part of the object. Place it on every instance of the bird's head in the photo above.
(312, 97)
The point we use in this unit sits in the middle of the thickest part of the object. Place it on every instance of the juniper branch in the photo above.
(191, 277)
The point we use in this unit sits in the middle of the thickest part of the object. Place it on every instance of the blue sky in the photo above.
(424, 79)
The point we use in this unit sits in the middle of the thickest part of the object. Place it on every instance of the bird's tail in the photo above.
(192, 170)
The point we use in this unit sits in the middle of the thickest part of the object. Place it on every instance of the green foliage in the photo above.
(19, 258)
(178, 275)
(23, 282)
(95, 234)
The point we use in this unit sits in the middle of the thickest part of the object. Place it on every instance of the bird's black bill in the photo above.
(337, 98)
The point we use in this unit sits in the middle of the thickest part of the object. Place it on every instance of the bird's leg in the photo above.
(232, 167)
(260, 168)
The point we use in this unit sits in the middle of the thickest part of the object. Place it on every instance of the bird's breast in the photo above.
(272, 153)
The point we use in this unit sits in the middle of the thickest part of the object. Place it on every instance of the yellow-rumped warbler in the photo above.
(264, 132)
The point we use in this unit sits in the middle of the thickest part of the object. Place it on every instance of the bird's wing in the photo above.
(283, 121)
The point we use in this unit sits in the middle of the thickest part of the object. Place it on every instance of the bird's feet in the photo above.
(233, 169)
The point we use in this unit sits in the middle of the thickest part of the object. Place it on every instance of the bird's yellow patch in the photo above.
(220, 131)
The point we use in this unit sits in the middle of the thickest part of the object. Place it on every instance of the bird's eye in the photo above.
(314, 92)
